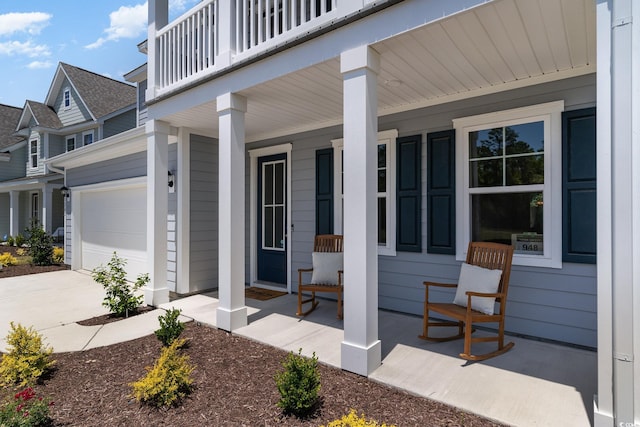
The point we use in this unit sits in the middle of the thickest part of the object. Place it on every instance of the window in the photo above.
(67, 98)
(33, 153)
(35, 209)
(71, 143)
(273, 205)
(386, 190)
(509, 184)
(87, 138)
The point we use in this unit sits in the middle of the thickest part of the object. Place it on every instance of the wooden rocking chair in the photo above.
(492, 256)
(323, 243)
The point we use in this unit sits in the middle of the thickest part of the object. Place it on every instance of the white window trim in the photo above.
(37, 153)
(66, 95)
(389, 138)
(66, 142)
(551, 114)
(93, 137)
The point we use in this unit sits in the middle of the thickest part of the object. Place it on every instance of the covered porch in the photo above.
(540, 384)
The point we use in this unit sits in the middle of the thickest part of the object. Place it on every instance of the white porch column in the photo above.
(158, 17)
(157, 292)
(618, 155)
(47, 207)
(184, 211)
(361, 348)
(232, 312)
(14, 213)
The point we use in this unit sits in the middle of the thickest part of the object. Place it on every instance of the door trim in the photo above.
(253, 213)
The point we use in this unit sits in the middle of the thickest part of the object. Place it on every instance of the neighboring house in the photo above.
(81, 108)
(412, 128)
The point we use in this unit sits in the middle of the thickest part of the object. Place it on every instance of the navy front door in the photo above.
(272, 219)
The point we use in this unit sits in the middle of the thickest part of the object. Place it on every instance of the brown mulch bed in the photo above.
(109, 318)
(21, 270)
(234, 386)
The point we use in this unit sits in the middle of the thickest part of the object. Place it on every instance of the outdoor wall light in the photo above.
(171, 176)
(65, 192)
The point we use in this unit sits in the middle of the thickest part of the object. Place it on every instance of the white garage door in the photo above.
(115, 220)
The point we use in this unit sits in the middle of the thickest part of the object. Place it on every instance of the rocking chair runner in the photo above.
(323, 243)
(493, 256)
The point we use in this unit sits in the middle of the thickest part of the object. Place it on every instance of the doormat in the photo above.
(262, 294)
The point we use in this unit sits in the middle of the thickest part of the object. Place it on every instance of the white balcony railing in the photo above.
(218, 33)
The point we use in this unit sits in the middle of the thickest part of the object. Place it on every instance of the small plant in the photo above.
(40, 244)
(21, 252)
(120, 298)
(19, 240)
(58, 255)
(170, 327)
(353, 420)
(26, 410)
(6, 259)
(28, 358)
(11, 241)
(298, 384)
(168, 381)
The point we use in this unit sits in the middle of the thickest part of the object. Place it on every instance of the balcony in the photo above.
(219, 34)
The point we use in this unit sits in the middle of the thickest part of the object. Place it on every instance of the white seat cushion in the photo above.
(477, 279)
(325, 267)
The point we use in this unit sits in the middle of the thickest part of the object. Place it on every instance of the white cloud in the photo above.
(38, 65)
(27, 48)
(32, 22)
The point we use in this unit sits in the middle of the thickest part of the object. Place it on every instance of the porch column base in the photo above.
(156, 296)
(361, 360)
(230, 320)
(600, 419)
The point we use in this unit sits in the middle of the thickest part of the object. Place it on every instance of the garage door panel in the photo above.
(115, 220)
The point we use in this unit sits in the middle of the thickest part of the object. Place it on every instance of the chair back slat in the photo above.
(328, 243)
(493, 256)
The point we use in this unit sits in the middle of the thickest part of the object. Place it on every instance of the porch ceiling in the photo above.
(500, 45)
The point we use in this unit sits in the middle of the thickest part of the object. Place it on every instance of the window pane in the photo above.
(525, 138)
(268, 184)
(525, 170)
(485, 143)
(382, 181)
(514, 218)
(485, 173)
(279, 227)
(279, 190)
(268, 228)
(382, 221)
(382, 155)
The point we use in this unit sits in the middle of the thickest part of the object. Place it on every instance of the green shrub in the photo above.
(58, 255)
(170, 327)
(298, 384)
(353, 420)
(11, 241)
(28, 358)
(168, 381)
(120, 298)
(18, 240)
(6, 259)
(25, 410)
(40, 244)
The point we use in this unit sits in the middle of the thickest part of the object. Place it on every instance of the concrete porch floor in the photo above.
(534, 384)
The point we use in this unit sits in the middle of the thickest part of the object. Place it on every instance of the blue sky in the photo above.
(99, 36)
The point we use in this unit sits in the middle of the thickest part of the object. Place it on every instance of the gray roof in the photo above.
(101, 95)
(9, 117)
(45, 115)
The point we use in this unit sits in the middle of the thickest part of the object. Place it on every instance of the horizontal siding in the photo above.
(16, 167)
(57, 145)
(76, 112)
(203, 251)
(565, 298)
(131, 166)
(119, 124)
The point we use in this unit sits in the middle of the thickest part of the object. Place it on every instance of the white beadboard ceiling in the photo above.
(497, 46)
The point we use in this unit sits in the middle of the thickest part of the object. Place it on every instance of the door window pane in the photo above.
(273, 205)
(382, 221)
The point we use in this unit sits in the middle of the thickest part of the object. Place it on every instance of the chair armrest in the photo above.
(483, 295)
(305, 270)
(441, 285)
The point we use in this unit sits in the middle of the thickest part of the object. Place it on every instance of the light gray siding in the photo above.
(57, 145)
(16, 167)
(203, 256)
(76, 112)
(119, 124)
(130, 166)
(555, 304)
(143, 112)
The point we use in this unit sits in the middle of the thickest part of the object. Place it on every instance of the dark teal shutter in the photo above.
(408, 226)
(441, 193)
(324, 191)
(579, 186)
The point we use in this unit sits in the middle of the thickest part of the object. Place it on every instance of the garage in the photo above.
(114, 220)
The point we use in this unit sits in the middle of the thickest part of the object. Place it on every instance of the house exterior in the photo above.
(411, 127)
(81, 108)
